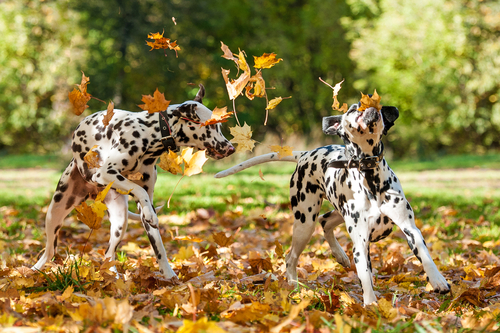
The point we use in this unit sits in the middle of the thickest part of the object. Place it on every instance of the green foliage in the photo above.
(64, 277)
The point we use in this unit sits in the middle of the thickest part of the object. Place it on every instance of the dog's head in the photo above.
(187, 130)
(364, 129)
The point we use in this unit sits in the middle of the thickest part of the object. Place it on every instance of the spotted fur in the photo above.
(369, 201)
(131, 143)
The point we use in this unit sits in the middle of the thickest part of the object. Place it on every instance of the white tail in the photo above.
(271, 157)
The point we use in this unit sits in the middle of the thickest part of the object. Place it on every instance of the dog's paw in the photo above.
(440, 285)
(342, 259)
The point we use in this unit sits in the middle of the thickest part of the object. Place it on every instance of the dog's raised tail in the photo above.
(271, 157)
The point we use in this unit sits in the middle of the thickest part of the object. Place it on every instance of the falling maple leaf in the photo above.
(92, 215)
(228, 54)
(282, 150)
(222, 240)
(235, 87)
(336, 103)
(160, 42)
(79, 98)
(218, 116)
(274, 103)
(92, 158)
(267, 60)
(193, 163)
(367, 101)
(155, 103)
(261, 175)
(243, 137)
(257, 83)
(109, 114)
(171, 162)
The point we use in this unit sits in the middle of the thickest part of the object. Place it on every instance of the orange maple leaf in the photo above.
(218, 116)
(155, 103)
(267, 60)
(160, 42)
(243, 137)
(109, 114)
(86, 214)
(282, 150)
(171, 162)
(92, 158)
(79, 98)
(367, 101)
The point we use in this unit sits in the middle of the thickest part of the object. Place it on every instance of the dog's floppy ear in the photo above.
(331, 124)
(200, 94)
(389, 114)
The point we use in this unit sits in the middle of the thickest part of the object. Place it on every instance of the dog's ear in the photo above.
(389, 114)
(200, 94)
(331, 124)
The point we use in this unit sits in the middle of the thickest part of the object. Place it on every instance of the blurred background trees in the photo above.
(438, 61)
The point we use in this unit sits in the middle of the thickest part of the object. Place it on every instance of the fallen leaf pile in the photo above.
(232, 279)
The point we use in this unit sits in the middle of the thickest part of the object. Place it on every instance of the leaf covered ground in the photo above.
(229, 260)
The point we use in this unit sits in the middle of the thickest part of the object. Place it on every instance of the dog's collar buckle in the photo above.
(166, 134)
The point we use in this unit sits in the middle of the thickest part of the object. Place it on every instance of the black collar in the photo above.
(166, 133)
(366, 163)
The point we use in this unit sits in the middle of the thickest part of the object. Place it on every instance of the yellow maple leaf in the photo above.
(201, 325)
(66, 294)
(101, 195)
(92, 158)
(155, 103)
(123, 192)
(109, 114)
(243, 137)
(79, 98)
(282, 150)
(257, 83)
(279, 249)
(194, 163)
(367, 101)
(218, 116)
(86, 214)
(171, 162)
(274, 102)
(184, 253)
(135, 176)
(387, 309)
(267, 60)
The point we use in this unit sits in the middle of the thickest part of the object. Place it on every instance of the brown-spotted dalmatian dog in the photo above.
(131, 143)
(359, 183)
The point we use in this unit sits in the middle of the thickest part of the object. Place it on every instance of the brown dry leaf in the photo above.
(267, 60)
(235, 87)
(92, 158)
(135, 176)
(109, 114)
(243, 137)
(228, 54)
(218, 116)
(367, 101)
(79, 98)
(336, 89)
(331, 302)
(155, 103)
(171, 162)
(160, 42)
(261, 175)
(279, 249)
(257, 263)
(222, 240)
(294, 312)
(86, 214)
(282, 150)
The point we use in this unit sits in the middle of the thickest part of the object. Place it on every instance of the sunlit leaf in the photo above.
(155, 103)
(282, 150)
(267, 60)
(367, 101)
(218, 116)
(109, 114)
(242, 137)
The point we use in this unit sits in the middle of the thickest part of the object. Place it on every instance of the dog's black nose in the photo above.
(371, 115)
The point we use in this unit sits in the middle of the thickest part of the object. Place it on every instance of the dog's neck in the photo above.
(356, 152)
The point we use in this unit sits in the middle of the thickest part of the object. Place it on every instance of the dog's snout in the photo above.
(230, 150)
(371, 115)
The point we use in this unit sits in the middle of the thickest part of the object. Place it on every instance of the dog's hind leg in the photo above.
(329, 221)
(399, 210)
(117, 206)
(71, 191)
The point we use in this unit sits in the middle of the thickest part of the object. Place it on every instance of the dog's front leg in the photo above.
(399, 210)
(358, 230)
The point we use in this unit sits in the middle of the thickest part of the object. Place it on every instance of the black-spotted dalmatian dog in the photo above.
(131, 143)
(359, 183)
